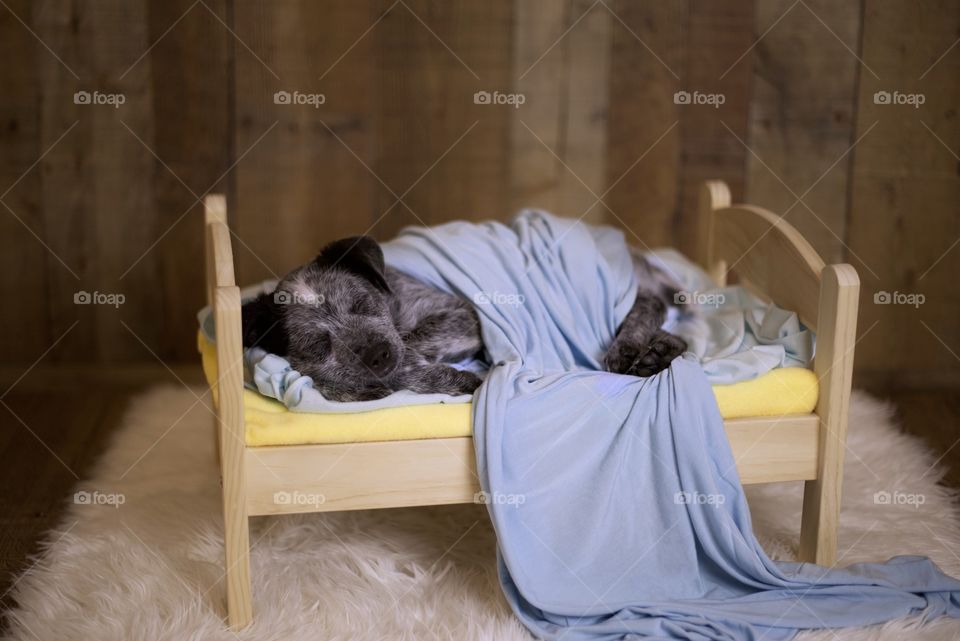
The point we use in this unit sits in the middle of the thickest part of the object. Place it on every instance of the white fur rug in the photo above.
(142, 558)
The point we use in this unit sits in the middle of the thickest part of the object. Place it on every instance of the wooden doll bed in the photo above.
(768, 255)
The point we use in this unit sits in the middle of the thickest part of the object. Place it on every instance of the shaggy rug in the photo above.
(138, 555)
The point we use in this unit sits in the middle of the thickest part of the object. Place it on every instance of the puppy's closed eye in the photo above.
(313, 346)
(321, 342)
(363, 307)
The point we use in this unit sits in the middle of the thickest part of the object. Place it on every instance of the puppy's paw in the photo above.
(621, 356)
(663, 348)
(644, 360)
(440, 379)
(465, 383)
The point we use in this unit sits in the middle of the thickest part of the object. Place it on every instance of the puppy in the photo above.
(362, 330)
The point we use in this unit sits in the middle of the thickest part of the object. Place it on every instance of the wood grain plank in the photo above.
(561, 62)
(356, 476)
(538, 74)
(24, 327)
(99, 205)
(642, 111)
(770, 257)
(836, 337)
(66, 209)
(124, 211)
(230, 429)
(802, 116)
(296, 186)
(191, 137)
(586, 83)
(905, 188)
(427, 86)
(718, 35)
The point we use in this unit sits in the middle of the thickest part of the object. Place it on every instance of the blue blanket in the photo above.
(616, 500)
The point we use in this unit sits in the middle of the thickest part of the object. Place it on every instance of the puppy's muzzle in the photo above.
(379, 357)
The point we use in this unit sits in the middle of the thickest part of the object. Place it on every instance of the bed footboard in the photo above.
(772, 259)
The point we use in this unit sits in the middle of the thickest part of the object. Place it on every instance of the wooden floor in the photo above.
(933, 415)
(54, 429)
(54, 424)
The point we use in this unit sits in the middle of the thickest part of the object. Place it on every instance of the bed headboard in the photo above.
(767, 253)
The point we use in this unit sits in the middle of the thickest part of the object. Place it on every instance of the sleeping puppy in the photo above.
(362, 330)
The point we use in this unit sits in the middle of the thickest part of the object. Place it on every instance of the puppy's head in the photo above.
(331, 318)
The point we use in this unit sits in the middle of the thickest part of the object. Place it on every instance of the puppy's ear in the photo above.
(360, 255)
(263, 325)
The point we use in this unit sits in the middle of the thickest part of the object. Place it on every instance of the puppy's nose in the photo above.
(378, 357)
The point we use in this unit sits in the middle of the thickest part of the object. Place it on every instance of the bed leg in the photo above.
(236, 526)
(836, 338)
(821, 513)
(237, 566)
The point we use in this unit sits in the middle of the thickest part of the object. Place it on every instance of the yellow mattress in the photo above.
(791, 390)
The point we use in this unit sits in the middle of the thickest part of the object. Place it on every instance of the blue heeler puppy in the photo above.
(362, 330)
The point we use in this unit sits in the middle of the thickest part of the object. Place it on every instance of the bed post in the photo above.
(714, 194)
(225, 298)
(833, 365)
(214, 211)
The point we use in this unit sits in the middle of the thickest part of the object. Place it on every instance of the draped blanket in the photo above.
(615, 499)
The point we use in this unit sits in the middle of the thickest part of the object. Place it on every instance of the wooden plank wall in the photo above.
(23, 260)
(802, 117)
(103, 199)
(904, 212)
